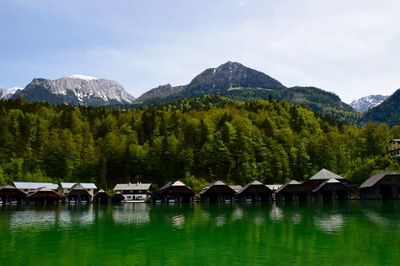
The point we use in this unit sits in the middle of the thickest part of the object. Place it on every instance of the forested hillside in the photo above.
(198, 140)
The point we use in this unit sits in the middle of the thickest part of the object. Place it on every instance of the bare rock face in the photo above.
(75, 90)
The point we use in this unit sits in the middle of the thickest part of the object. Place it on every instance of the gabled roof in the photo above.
(34, 185)
(274, 187)
(44, 191)
(252, 183)
(395, 140)
(236, 188)
(100, 192)
(329, 181)
(170, 184)
(69, 185)
(133, 186)
(216, 183)
(376, 178)
(8, 189)
(290, 183)
(77, 186)
(325, 175)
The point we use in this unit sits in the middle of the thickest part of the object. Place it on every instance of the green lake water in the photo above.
(352, 233)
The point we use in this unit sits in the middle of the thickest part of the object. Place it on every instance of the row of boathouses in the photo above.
(323, 186)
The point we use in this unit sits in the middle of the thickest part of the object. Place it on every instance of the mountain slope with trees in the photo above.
(386, 112)
(198, 140)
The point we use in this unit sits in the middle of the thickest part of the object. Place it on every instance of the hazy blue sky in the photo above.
(348, 47)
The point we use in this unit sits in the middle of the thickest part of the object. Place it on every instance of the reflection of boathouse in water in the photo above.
(384, 186)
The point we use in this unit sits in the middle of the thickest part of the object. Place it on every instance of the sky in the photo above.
(348, 47)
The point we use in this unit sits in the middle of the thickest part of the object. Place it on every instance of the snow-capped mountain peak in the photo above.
(76, 90)
(365, 103)
(8, 93)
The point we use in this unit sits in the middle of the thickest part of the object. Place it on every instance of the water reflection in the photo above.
(237, 213)
(296, 218)
(137, 214)
(330, 223)
(276, 213)
(178, 221)
(32, 218)
(220, 220)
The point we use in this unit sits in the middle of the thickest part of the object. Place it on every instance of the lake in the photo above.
(349, 233)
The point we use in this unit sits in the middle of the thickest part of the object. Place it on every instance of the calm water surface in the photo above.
(231, 234)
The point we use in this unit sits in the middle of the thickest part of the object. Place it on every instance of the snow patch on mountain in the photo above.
(365, 103)
(76, 90)
(8, 93)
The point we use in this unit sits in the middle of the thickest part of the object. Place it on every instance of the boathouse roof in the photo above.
(69, 185)
(325, 174)
(44, 193)
(370, 182)
(11, 190)
(236, 188)
(217, 183)
(101, 193)
(288, 184)
(253, 185)
(175, 186)
(330, 181)
(133, 186)
(34, 185)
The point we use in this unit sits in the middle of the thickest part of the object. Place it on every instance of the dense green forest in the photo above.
(198, 140)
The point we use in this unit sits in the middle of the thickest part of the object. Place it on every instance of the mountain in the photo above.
(365, 103)
(162, 91)
(220, 80)
(229, 76)
(238, 82)
(386, 112)
(8, 93)
(75, 90)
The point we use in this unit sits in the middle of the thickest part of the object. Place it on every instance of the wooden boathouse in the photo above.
(218, 192)
(254, 191)
(10, 194)
(382, 186)
(292, 191)
(44, 196)
(101, 197)
(331, 189)
(174, 192)
(79, 194)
